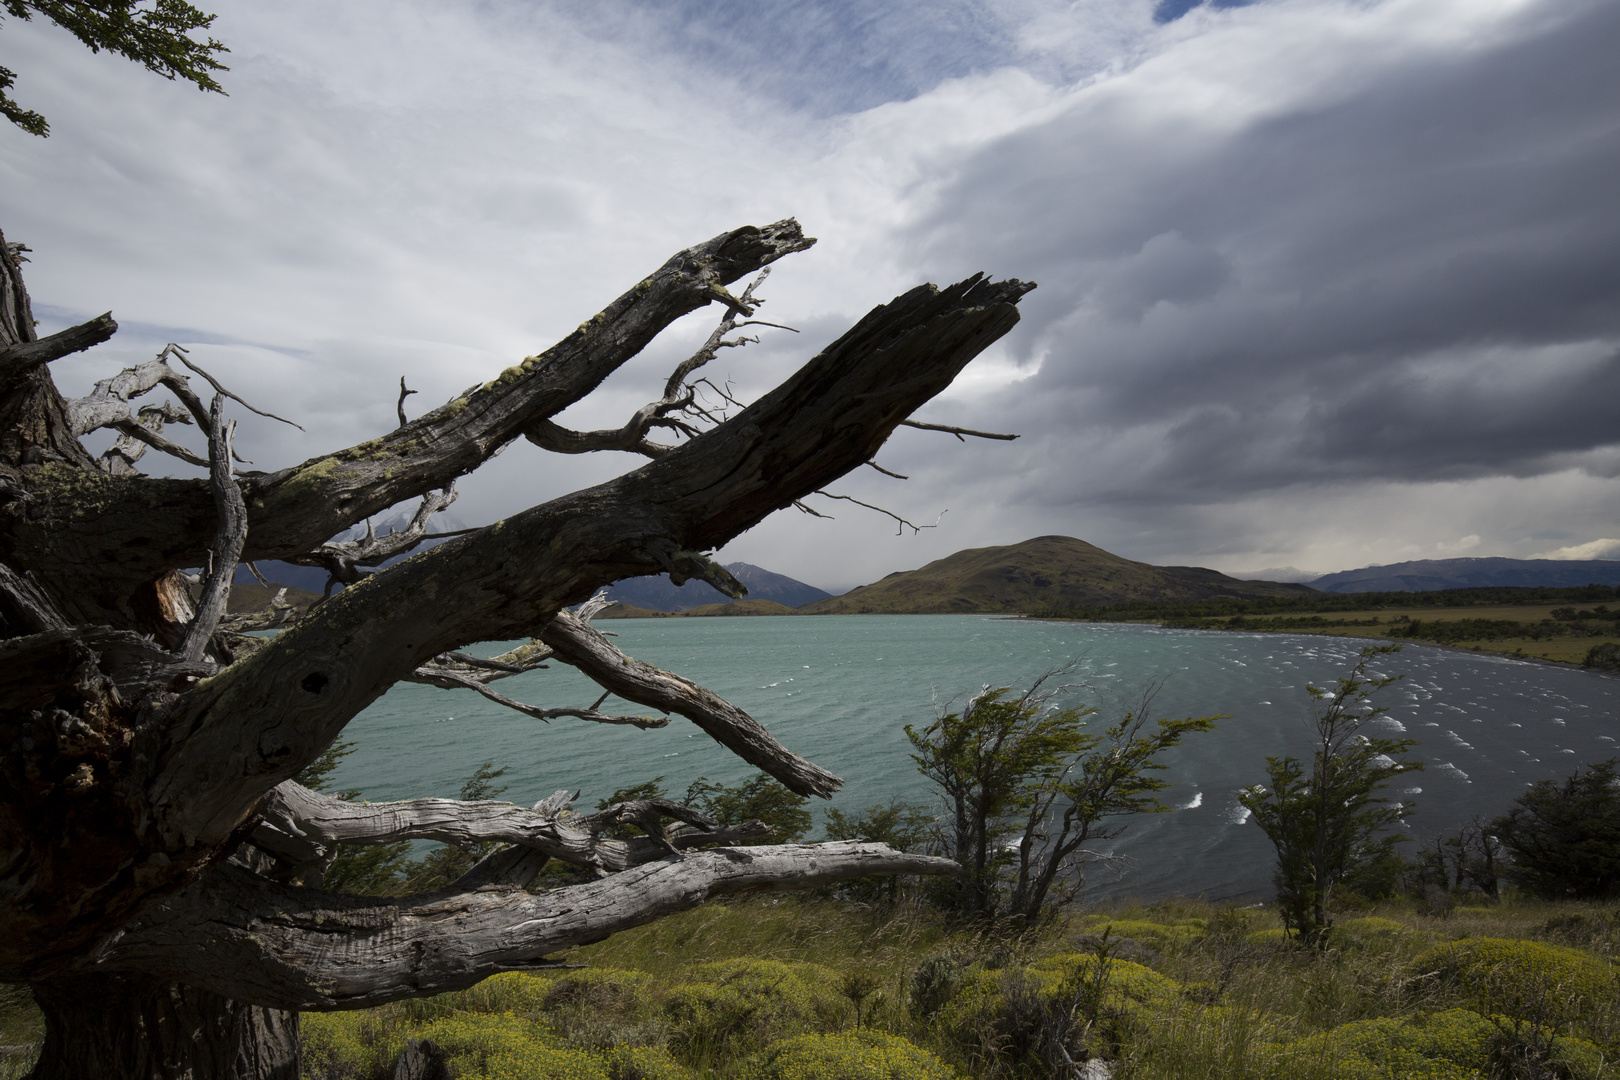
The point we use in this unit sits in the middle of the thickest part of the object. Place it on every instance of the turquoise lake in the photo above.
(840, 689)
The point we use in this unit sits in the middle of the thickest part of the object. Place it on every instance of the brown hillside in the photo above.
(1048, 572)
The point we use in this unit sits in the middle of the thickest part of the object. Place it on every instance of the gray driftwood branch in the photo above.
(296, 948)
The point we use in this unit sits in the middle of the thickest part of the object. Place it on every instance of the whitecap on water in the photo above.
(1197, 801)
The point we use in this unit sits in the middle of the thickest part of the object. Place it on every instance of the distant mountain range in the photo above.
(1424, 575)
(1045, 573)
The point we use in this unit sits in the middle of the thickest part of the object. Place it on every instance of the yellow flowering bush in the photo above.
(857, 1055)
(1457, 1044)
(348, 1045)
(981, 993)
(736, 1007)
(1547, 985)
(502, 1046)
(644, 1063)
(1126, 981)
(599, 988)
(1161, 935)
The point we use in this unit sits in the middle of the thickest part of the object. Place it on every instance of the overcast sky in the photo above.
(1322, 284)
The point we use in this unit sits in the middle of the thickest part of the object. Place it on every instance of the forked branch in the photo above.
(679, 395)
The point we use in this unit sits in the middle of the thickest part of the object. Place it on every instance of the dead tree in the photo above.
(160, 889)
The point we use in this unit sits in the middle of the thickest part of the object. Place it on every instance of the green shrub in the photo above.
(644, 1063)
(1027, 1018)
(1161, 935)
(1545, 985)
(505, 1047)
(935, 982)
(349, 1045)
(858, 1055)
(599, 1008)
(736, 1007)
(1457, 1044)
(516, 992)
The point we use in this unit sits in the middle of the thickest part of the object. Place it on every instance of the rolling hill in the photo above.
(1048, 572)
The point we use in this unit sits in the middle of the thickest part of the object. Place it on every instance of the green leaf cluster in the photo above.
(1026, 784)
(153, 33)
(1563, 840)
(759, 798)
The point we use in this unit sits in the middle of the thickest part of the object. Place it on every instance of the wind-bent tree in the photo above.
(1331, 818)
(1025, 787)
(160, 873)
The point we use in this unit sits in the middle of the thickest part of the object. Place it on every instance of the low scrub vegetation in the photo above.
(779, 988)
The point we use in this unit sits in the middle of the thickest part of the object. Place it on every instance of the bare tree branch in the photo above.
(457, 680)
(277, 612)
(452, 670)
(269, 943)
(294, 510)
(108, 403)
(227, 547)
(957, 431)
(218, 389)
(27, 607)
(904, 524)
(583, 646)
(344, 560)
(678, 395)
(18, 360)
(145, 430)
(403, 394)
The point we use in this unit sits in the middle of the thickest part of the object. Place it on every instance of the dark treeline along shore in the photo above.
(1571, 625)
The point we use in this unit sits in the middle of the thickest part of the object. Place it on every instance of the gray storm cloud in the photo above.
(1322, 283)
(1403, 274)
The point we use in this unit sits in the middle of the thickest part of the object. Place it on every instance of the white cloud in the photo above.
(1605, 548)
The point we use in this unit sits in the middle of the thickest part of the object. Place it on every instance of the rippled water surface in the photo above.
(839, 690)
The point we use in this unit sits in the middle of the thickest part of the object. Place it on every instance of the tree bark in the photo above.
(138, 1028)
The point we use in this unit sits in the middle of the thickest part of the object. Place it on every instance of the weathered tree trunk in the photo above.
(158, 866)
(144, 1029)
